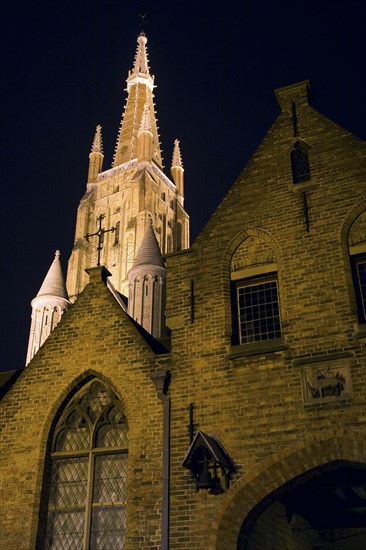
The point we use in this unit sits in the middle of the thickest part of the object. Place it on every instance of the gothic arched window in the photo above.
(300, 163)
(87, 499)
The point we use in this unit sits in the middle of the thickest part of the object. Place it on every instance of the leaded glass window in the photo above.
(258, 310)
(300, 163)
(87, 502)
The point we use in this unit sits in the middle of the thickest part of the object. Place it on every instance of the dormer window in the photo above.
(300, 163)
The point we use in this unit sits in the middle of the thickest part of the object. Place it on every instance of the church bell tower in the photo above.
(132, 192)
(126, 212)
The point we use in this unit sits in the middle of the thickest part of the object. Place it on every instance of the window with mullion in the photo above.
(87, 502)
(258, 310)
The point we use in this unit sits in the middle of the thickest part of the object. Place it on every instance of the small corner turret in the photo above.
(47, 307)
(146, 278)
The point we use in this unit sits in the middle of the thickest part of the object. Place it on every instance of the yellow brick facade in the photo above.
(253, 397)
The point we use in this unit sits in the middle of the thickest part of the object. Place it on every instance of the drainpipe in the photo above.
(162, 381)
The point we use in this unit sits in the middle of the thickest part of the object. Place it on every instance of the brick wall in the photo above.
(254, 401)
(250, 397)
(96, 338)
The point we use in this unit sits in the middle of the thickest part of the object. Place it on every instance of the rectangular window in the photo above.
(300, 163)
(258, 311)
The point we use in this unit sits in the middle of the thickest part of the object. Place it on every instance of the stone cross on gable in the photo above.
(100, 235)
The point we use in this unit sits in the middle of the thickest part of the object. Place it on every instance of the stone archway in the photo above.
(324, 508)
(265, 479)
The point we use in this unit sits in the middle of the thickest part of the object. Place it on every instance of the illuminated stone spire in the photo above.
(140, 85)
(141, 64)
(135, 189)
(97, 146)
(96, 156)
(47, 307)
(177, 171)
(177, 157)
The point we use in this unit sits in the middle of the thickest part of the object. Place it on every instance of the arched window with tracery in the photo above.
(87, 497)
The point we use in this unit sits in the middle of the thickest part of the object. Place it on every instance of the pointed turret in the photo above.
(140, 85)
(96, 156)
(177, 171)
(146, 302)
(47, 307)
(54, 282)
(149, 252)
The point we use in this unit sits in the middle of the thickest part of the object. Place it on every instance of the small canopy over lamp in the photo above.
(209, 463)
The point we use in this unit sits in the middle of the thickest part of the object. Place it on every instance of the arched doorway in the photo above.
(296, 472)
(322, 509)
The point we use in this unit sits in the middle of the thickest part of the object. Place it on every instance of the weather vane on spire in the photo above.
(143, 21)
(100, 235)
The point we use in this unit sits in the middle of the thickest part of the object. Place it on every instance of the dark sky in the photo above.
(216, 65)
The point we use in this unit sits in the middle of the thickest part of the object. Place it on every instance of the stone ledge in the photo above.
(319, 358)
(257, 348)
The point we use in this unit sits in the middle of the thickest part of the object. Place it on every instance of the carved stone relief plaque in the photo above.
(326, 381)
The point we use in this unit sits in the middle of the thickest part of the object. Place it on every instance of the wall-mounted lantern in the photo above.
(209, 463)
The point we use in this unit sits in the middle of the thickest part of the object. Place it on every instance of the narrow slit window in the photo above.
(116, 234)
(300, 163)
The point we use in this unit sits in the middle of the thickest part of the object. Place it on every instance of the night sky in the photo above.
(216, 67)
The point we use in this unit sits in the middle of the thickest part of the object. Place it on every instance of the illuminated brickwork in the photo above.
(249, 396)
